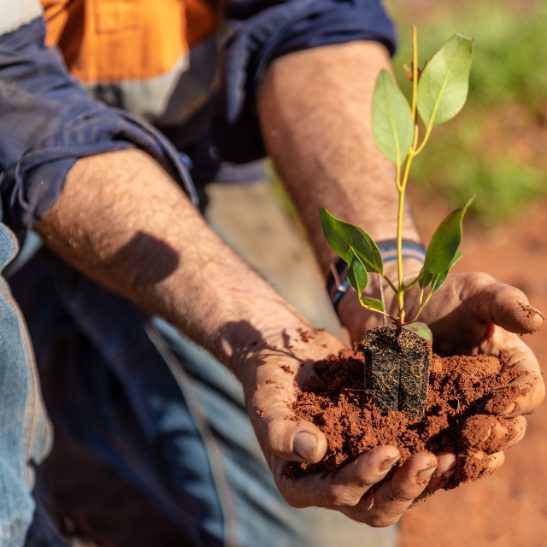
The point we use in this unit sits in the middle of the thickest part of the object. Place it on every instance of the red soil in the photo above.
(459, 388)
(508, 508)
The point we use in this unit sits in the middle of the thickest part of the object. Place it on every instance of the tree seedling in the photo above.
(401, 131)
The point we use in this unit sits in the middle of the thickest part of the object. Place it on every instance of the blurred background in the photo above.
(496, 146)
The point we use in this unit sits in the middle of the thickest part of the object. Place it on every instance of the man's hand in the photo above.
(271, 375)
(473, 313)
(146, 242)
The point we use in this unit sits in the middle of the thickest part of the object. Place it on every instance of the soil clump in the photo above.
(456, 415)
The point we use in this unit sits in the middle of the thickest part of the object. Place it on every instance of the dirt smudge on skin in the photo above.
(530, 311)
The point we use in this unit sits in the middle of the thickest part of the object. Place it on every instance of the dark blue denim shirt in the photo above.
(48, 122)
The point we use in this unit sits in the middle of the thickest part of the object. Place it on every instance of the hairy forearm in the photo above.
(122, 221)
(315, 111)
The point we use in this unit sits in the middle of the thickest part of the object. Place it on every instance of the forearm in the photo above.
(122, 221)
(315, 111)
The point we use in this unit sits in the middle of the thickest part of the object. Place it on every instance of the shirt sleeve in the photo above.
(48, 122)
(268, 29)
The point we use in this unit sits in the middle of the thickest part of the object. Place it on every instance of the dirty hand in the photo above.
(270, 375)
(473, 313)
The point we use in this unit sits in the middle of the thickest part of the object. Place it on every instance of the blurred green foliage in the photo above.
(480, 152)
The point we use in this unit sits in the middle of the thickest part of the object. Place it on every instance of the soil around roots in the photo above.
(456, 416)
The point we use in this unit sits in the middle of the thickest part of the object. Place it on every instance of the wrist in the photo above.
(413, 255)
(357, 319)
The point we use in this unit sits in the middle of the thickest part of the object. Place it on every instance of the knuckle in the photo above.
(366, 478)
(296, 503)
(381, 520)
(481, 279)
(295, 497)
(342, 496)
(402, 495)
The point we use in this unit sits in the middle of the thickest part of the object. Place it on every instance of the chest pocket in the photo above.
(115, 15)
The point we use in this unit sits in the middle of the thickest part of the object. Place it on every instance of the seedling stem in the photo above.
(439, 92)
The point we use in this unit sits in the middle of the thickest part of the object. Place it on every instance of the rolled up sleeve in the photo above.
(266, 30)
(48, 122)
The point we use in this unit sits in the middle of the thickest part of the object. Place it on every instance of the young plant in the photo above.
(439, 91)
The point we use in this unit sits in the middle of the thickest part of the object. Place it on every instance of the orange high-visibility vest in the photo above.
(113, 40)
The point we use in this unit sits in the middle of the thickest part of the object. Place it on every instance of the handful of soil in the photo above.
(335, 399)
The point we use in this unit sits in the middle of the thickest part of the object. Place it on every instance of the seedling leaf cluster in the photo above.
(401, 131)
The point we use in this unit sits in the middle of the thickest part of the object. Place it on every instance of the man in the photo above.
(107, 194)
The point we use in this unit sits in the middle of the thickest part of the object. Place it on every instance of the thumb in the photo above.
(507, 307)
(280, 432)
(295, 440)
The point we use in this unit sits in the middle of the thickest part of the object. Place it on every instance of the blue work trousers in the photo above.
(169, 418)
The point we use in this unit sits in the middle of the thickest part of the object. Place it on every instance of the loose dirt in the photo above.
(456, 417)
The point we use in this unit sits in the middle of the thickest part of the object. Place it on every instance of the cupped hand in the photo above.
(473, 313)
(272, 375)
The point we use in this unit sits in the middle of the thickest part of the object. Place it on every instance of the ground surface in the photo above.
(509, 508)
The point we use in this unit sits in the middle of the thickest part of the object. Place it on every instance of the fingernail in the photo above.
(305, 445)
(387, 463)
(424, 475)
(447, 463)
(536, 311)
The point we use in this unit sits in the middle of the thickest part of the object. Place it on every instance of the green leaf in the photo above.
(333, 232)
(369, 302)
(358, 279)
(391, 119)
(342, 236)
(443, 85)
(421, 329)
(443, 249)
(457, 256)
(439, 280)
(357, 274)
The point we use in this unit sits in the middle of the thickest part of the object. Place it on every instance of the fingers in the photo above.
(490, 434)
(502, 305)
(271, 384)
(479, 463)
(358, 491)
(446, 467)
(446, 461)
(356, 478)
(343, 489)
(526, 392)
(386, 504)
(522, 396)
